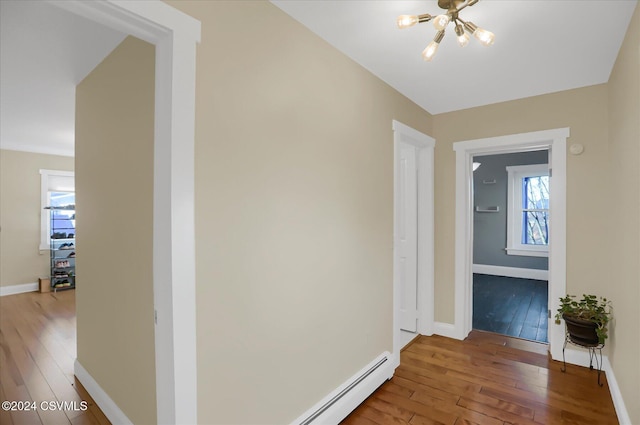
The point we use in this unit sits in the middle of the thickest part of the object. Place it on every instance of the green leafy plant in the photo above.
(590, 308)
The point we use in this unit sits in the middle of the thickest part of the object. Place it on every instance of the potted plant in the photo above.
(586, 319)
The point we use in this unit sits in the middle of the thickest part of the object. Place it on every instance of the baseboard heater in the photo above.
(349, 389)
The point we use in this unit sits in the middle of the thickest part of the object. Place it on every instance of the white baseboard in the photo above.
(445, 329)
(577, 356)
(616, 395)
(18, 289)
(581, 358)
(406, 337)
(511, 272)
(344, 399)
(102, 399)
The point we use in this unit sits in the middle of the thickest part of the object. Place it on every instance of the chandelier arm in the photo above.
(462, 27)
(467, 3)
(424, 18)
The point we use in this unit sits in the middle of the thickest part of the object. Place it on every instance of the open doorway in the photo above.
(510, 244)
(174, 36)
(555, 141)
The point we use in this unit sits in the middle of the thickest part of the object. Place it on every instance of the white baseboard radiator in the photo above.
(344, 399)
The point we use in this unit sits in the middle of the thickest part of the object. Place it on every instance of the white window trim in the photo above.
(45, 217)
(514, 223)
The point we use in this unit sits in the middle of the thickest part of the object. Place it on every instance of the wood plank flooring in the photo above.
(37, 351)
(487, 379)
(510, 306)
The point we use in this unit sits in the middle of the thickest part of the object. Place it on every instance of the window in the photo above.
(528, 213)
(57, 188)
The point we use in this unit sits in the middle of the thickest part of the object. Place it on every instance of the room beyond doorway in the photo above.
(511, 306)
(511, 231)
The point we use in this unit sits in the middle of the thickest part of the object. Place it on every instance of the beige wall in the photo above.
(623, 224)
(603, 206)
(294, 208)
(585, 112)
(114, 197)
(20, 210)
(294, 215)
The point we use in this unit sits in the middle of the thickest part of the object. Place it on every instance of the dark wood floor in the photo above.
(511, 306)
(487, 379)
(37, 351)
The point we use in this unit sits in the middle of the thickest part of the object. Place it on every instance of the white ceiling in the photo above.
(542, 46)
(44, 52)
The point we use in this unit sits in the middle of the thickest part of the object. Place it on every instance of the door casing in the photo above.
(175, 36)
(425, 232)
(555, 141)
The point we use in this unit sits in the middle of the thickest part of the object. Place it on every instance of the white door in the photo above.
(407, 236)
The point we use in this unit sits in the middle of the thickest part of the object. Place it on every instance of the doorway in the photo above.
(174, 35)
(555, 142)
(510, 244)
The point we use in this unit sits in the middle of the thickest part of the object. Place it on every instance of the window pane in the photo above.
(535, 224)
(63, 222)
(535, 192)
(535, 227)
(61, 199)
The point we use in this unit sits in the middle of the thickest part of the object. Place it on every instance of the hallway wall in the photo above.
(621, 222)
(585, 111)
(114, 196)
(294, 213)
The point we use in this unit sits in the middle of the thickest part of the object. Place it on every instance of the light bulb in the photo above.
(483, 36)
(406, 21)
(441, 22)
(463, 38)
(430, 51)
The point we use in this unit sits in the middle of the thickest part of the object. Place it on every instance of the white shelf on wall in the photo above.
(488, 209)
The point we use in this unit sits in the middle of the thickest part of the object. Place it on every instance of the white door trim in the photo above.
(555, 141)
(425, 146)
(175, 36)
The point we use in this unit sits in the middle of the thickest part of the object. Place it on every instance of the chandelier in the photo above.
(440, 22)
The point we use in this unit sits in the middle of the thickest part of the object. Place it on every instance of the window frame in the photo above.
(514, 212)
(45, 214)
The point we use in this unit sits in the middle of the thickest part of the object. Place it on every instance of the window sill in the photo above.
(527, 252)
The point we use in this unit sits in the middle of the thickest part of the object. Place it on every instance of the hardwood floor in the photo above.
(487, 379)
(510, 306)
(37, 351)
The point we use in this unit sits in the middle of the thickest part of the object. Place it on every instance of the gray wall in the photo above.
(490, 229)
